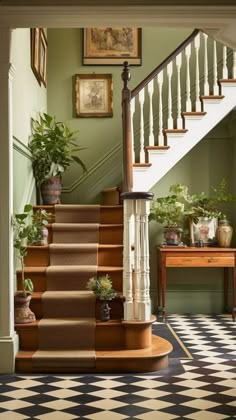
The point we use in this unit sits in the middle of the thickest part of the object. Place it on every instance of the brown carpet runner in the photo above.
(73, 213)
(73, 254)
(75, 233)
(70, 277)
(67, 328)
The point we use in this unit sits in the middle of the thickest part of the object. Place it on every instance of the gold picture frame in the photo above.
(35, 54)
(43, 57)
(112, 46)
(94, 95)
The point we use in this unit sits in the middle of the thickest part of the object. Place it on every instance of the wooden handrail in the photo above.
(164, 63)
(127, 140)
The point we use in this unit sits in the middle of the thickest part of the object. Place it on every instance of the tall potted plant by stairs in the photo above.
(27, 231)
(53, 149)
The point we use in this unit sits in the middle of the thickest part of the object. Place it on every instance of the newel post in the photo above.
(136, 282)
(127, 137)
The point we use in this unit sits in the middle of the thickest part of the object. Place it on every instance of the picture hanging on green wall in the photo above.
(94, 95)
(111, 46)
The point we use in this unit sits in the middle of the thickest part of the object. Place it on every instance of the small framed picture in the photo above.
(94, 95)
(204, 231)
(35, 48)
(43, 57)
(111, 46)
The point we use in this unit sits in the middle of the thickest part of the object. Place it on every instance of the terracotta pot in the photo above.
(51, 191)
(22, 311)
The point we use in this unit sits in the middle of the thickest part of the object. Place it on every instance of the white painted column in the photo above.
(8, 337)
(127, 260)
(143, 207)
(137, 268)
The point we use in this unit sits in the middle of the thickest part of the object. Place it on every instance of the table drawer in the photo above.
(200, 261)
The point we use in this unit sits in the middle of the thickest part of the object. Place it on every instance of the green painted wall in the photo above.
(100, 136)
(28, 99)
(196, 290)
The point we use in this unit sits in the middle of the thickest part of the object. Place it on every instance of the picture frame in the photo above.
(35, 52)
(43, 57)
(94, 95)
(112, 46)
(204, 231)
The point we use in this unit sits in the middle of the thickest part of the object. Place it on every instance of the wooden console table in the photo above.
(195, 257)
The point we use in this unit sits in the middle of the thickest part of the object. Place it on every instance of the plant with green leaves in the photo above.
(27, 231)
(102, 287)
(53, 148)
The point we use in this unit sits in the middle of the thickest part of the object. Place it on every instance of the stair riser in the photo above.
(40, 281)
(39, 256)
(115, 305)
(107, 235)
(108, 336)
(108, 214)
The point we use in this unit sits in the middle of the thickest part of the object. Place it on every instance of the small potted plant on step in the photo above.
(53, 149)
(27, 231)
(102, 288)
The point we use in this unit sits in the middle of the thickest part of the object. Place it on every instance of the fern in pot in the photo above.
(53, 149)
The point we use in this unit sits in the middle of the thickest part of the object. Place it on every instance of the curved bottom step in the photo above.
(144, 360)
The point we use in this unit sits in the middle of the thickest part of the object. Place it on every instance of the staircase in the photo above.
(68, 336)
(174, 108)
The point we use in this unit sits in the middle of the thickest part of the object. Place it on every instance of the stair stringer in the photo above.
(144, 178)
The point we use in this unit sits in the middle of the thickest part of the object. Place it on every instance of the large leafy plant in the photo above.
(53, 148)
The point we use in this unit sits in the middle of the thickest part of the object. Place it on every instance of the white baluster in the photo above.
(169, 75)
(132, 110)
(224, 67)
(136, 260)
(215, 76)
(234, 65)
(178, 67)
(160, 128)
(188, 98)
(141, 101)
(151, 131)
(206, 84)
(145, 303)
(197, 100)
(127, 260)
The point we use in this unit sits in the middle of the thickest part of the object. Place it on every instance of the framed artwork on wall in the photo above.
(111, 46)
(35, 56)
(94, 95)
(43, 57)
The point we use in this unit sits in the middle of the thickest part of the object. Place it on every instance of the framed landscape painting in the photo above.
(35, 48)
(93, 94)
(111, 46)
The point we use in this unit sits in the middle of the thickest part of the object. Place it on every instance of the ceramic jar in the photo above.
(224, 233)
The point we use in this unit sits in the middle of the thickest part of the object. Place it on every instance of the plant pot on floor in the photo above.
(22, 311)
(51, 191)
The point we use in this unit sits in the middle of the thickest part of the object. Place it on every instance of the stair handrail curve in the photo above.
(164, 63)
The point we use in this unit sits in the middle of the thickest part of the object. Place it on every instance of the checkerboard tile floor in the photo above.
(202, 388)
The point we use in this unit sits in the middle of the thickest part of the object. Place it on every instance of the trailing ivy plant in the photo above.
(53, 148)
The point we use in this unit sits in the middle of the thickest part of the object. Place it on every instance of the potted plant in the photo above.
(27, 231)
(179, 208)
(102, 288)
(53, 147)
(171, 211)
